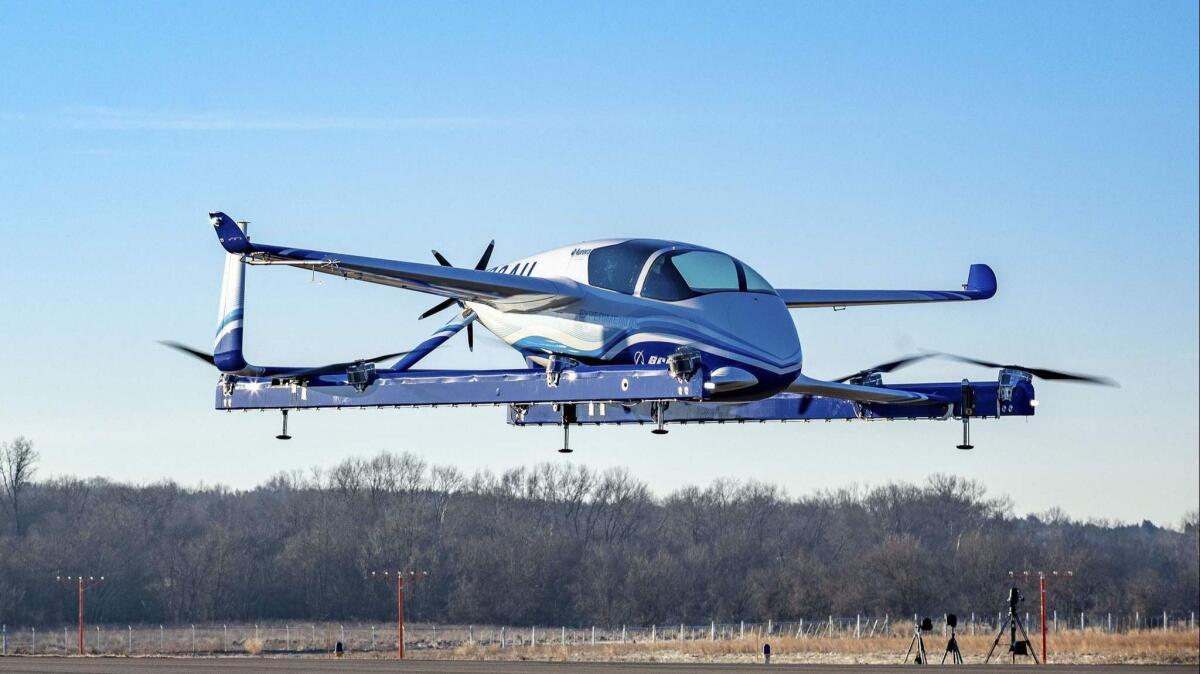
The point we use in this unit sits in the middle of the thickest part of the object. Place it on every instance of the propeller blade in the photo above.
(487, 255)
(441, 260)
(439, 307)
(1039, 372)
(888, 366)
(194, 353)
(471, 336)
(336, 368)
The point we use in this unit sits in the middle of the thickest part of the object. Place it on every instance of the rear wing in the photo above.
(980, 285)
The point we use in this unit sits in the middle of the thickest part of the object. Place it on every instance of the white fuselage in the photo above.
(747, 333)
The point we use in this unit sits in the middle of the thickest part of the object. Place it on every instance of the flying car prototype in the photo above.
(618, 331)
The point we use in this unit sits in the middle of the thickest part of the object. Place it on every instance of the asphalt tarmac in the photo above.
(56, 665)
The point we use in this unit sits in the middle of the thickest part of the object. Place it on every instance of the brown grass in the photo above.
(1147, 647)
(253, 646)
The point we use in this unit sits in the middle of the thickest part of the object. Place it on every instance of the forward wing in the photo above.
(980, 285)
(865, 394)
(509, 292)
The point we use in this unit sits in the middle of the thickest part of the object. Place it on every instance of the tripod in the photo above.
(1012, 623)
(918, 642)
(952, 648)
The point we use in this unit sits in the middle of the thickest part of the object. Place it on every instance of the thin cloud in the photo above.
(97, 117)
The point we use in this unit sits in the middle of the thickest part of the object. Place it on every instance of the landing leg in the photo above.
(568, 417)
(966, 443)
(284, 434)
(659, 418)
(967, 409)
(566, 448)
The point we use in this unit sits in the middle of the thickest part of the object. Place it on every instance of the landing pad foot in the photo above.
(283, 435)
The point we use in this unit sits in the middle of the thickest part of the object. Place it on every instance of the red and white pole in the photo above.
(399, 616)
(1042, 590)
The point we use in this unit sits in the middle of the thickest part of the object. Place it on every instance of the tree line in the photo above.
(553, 544)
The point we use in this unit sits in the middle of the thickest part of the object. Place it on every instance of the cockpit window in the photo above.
(618, 267)
(754, 282)
(679, 275)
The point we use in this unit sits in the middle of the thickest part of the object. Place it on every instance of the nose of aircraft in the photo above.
(761, 320)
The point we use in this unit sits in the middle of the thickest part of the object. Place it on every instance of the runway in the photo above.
(57, 665)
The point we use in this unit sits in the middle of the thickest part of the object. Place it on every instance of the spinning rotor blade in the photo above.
(194, 353)
(337, 367)
(888, 366)
(287, 374)
(1040, 373)
(447, 303)
(444, 304)
(487, 255)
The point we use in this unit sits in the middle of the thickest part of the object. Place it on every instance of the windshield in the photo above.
(679, 275)
(617, 267)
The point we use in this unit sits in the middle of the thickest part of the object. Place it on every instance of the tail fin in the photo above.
(982, 281)
(227, 349)
(232, 236)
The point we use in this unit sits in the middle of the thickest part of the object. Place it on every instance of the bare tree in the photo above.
(18, 461)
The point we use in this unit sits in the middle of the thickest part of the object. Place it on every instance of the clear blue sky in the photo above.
(828, 144)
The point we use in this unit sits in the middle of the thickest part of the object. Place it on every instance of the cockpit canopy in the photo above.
(669, 271)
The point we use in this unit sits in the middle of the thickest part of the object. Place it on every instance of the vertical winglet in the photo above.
(981, 282)
(227, 344)
(231, 236)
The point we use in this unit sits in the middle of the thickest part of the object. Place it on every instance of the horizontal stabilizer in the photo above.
(980, 285)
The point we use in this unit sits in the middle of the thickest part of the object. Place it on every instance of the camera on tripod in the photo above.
(1014, 598)
(1012, 623)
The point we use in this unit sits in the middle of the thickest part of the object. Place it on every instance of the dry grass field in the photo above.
(1087, 647)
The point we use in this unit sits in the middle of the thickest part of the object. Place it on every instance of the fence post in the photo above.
(681, 631)
(66, 644)
(4, 631)
(224, 638)
(831, 627)
(97, 638)
(858, 626)
(470, 635)
(341, 633)
(653, 633)
(564, 635)
(501, 637)
(1056, 621)
(33, 650)
(313, 644)
(1137, 621)
(593, 635)
(1110, 622)
(800, 629)
(533, 636)
(193, 640)
(160, 638)
(287, 638)
(712, 631)
(622, 634)
(129, 651)
(1081, 621)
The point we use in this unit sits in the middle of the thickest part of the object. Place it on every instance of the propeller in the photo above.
(194, 353)
(888, 366)
(303, 373)
(451, 301)
(1039, 372)
(335, 368)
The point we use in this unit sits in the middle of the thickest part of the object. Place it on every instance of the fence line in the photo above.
(311, 638)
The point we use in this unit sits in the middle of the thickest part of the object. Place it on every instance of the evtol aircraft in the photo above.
(617, 331)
